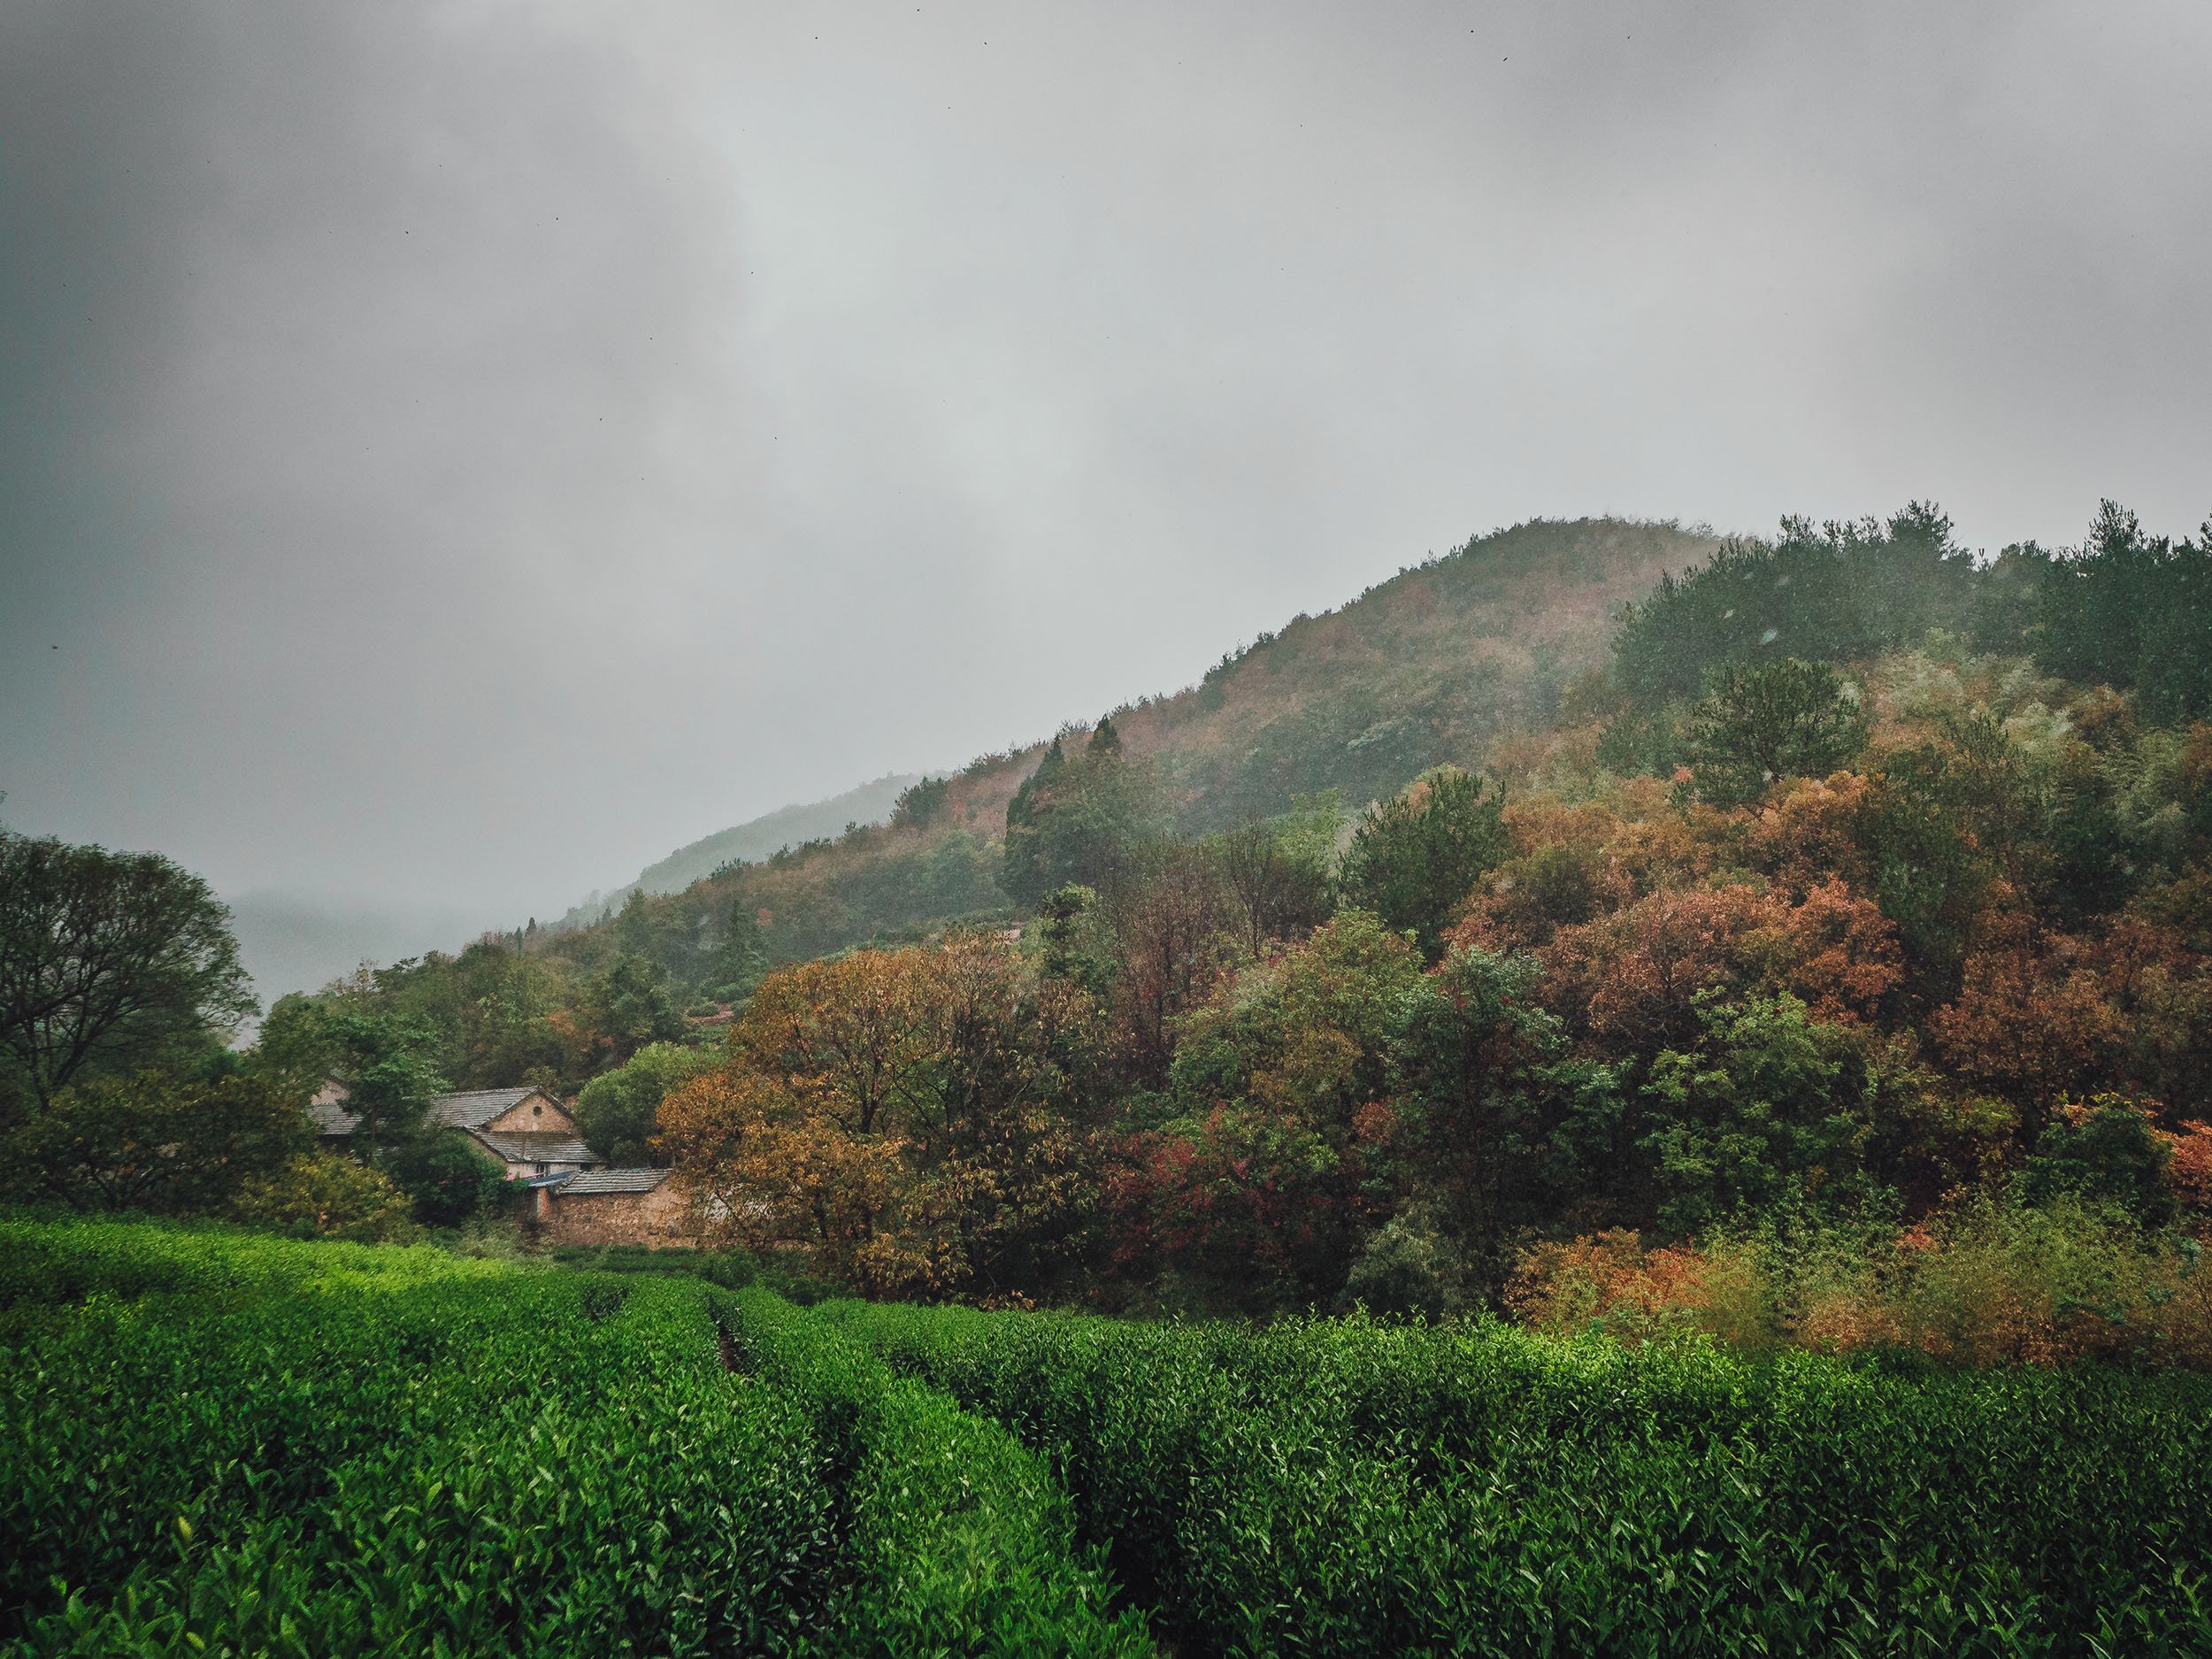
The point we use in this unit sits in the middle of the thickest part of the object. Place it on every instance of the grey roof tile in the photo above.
(592, 1183)
(525, 1147)
(475, 1108)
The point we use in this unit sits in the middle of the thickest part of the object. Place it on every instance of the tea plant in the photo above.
(960, 1541)
(432, 1462)
(1339, 1487)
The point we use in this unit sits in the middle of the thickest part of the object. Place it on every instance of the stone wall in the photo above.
(662, 1216)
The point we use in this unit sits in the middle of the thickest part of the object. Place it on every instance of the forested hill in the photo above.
(1434, 665)
(756, 838)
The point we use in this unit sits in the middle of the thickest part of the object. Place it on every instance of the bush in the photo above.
(422, 1455)
(321, 1195)
(1982, 1284)
(960, 1540)
(1343, 1487)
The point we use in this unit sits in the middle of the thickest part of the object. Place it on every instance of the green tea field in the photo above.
(215, 1443)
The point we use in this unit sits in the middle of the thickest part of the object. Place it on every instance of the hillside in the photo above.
(753, 840)
(1435, 664)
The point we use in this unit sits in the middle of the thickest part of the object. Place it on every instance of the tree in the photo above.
(1277, 872)
(909, 1118)
(1415, 860)
(847, 1038)
(779, 1176)
(1760, 725)
(154, 1141)
(2131, 609)
(1075, 939)
(109, 962)
(919, 804)
(2105, 1152)
(1932, 877)
(1000, 1149)
(449, 1181)
(2032, 1021)
(618, 1110)
(1764, 1111)
(1278, 1157)
(1169, 923)
(1498, 1120)
(1629, 981)
(387, 1064)
(628, 1004)
(1839, 590)
(1079, 818)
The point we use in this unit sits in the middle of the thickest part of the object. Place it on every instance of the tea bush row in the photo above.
(219, 1443)
(1339, 1486)
(463, 1466)
(47, 1264)
(960, 1540)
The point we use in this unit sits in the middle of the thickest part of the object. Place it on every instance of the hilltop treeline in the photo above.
(1429, 667)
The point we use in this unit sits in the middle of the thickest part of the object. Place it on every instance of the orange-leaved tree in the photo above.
(907, 1121)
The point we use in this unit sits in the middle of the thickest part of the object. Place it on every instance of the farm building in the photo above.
(613, 1207)
(525, 1131)
(533, 1138)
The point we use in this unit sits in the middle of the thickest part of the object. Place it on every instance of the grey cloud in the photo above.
(464, 450)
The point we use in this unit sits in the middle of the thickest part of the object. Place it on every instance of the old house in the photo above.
(525, 1131)
(533, 1138)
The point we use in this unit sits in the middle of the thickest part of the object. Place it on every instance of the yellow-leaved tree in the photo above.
(904, 1121)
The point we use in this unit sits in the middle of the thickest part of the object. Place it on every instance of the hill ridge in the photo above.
(1436, 662)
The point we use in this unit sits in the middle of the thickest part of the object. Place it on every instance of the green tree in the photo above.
(153, 1140)
(1499, 1120)
(109, 962)
(1075, 939)
(387, 1065)
(741, 952)
(1839, 590)
(618, 1110)
(2105, 1154)
(448, 1180)
(1079, 818)
(1767, 1111)
(920, 803)
(627, 1004)
(1414, 860)
(1760, 725)
(1931, 875)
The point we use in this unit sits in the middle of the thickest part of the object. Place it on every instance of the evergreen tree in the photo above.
(1761, 724)
(1414, 860)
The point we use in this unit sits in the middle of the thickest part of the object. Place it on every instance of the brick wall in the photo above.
(662, 1216)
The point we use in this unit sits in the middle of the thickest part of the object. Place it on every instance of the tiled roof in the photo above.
(476, 1108)
(470, 1111)
(331, 1118)
(591, 1183)
(523, 1147)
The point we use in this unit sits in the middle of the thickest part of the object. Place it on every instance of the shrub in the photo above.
(1343, 1487)
(321, 1195)
(1981, 1285)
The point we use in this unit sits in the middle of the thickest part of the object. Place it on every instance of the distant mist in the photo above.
(758, 838)
(301, 942)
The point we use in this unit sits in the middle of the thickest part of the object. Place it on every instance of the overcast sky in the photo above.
(460, 452)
